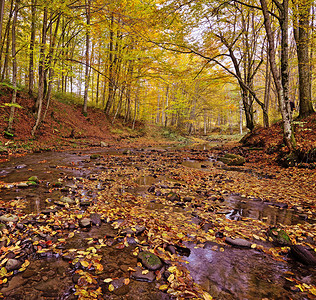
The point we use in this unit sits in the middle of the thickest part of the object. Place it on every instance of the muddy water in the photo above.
(229, 274)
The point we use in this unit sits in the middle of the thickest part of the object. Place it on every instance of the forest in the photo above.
(157, 149)
(193, 65)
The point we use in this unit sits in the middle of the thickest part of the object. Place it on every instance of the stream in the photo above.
(235, 273)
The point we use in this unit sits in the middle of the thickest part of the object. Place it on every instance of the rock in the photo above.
(303, 255)
(187, 199)
(9, 218)
(134, 230)
(20, 166)
(138, 275)
(279, 237)
(95, 156)
(173, 197)
(151, 189)
(13, 264)
(22, 185)
(67, 200)
(57, 184)
(95, 219)
(150, 260)
(238, 242)
(85, 222)
(32, 183)
(34, 178)
(232, 159)
(104, 144)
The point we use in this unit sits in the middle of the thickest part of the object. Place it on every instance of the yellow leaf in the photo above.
(163, 287)
(256, 237)
(71, 234)
(207, 296)
(108, 280)
(171, 278)
(84, 263)
(172, 269)
(111, 287)
(253, 246)
(126, 281)
(145, 272)
(180, 235)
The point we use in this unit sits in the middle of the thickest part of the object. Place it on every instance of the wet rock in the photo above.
(303, 255)
(150, 260)
(75, 278)
(95, 219)
(232, 159)
(151, 189)
(85, 203)
(143, 276)
(85, 222)
(49, 288)
(187, 199)
(281, 205)
(22, 166)
(95, 156)
(279, 237)
(34, 179)
(57, 184)
(173, 197)
(48, 211)
(136, 230)
(67, 200)
(9, 218)
(22, 185)
(13, 264)
(238, 242)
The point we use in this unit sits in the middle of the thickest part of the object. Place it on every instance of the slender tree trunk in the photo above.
(14, 72)
(267, 92)
(111, 65)
(32, 43)
(301, 35)
(41, 72)
(281, 86)
(87, 73)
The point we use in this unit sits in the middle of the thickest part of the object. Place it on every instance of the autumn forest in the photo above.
(157, 149)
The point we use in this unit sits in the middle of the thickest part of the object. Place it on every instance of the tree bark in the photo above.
(14, 65)
(281, 85)
(303, 58)
(32, 42)
(87, 73)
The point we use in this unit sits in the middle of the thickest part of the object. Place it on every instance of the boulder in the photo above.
(238, 242)
(279, 237)
(85, 222)
(13, 264)
(9, 218)
(150, 260)
(143, 276)
(95, 219)
(303, 255)
(67, 200)
(232, 159)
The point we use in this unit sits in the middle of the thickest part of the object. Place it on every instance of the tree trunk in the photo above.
(41, 72)
(111, 65)
(303, 58)
(87, 73)
(32, 42)
(14, 72)
(281, 86)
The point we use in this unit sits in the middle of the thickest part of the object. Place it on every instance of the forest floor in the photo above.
(204, 226)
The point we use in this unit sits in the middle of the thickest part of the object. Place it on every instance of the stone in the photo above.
(173, 197)
(150, 261)
(138, 275)
(20, 166)
(238, 242)
(279, 237)
(95, 219)
(22, 185)
(34, 178)
(85, 222)
(9, 218)
(29, 273)
(232, 159)
(303, 255)
(67, 200)
(13, 264)
(95, 156)
(104, 144)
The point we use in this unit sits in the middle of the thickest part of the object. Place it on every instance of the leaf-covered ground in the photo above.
(150, 200)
